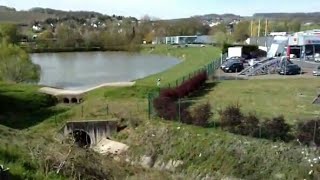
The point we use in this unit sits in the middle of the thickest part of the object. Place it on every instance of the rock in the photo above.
(172, 165)
(160, 165)
(146, 162)
(107, 146)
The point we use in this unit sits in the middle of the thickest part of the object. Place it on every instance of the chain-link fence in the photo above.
(210, 70)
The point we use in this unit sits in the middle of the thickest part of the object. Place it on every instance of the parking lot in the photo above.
(306, 66)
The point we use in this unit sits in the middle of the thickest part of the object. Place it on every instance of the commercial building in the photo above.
(204, 39)
(304, 45)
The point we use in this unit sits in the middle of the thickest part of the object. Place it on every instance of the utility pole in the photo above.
(266, 28)
(259, 27)
(251, 29)
(265, 33)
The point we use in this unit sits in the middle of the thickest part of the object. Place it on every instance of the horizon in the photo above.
(166, 9)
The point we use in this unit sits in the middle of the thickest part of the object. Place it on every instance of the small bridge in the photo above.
(76, 96)
(90, 132)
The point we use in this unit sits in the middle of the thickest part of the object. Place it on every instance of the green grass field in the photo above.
(268, 98)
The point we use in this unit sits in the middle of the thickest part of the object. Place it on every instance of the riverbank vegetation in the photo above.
(16, 65)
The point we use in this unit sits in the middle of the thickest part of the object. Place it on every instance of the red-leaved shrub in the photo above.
(166, 106)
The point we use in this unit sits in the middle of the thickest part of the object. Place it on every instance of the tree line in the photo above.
(245, 29)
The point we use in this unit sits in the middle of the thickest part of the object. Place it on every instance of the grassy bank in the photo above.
(192, 59)
(269, 98)
(217, 154)
(22, 106)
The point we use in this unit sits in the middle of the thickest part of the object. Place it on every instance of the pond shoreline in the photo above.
(76, 70)
(136, 48)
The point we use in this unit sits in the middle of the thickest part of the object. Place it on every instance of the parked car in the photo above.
(233, 66)
(290, 69)
(316, 72)
(317, 57)
(225, 63)
(236, 58)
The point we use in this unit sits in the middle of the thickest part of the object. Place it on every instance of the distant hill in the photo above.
(314, 16)
(22, 17)
(7, 9)
(8, 14)
(60, 13)
(219, 16)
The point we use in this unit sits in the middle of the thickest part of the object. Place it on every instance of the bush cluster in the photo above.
(233, 120)
(308, 132)
(186, 88)
(167, 107)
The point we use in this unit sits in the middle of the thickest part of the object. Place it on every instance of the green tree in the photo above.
(241, 31)
(16, 66)
(45, 39)
(294, 26)
(9, 33)
(93, 39)
(220, 37)
(68, 37)
(279, 26)
(218, 28)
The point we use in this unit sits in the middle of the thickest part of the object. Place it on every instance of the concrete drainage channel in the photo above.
(95, 134)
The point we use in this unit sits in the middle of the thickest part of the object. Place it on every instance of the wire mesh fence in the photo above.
(209, 69)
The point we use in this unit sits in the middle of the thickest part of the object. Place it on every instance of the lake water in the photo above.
(82, 70)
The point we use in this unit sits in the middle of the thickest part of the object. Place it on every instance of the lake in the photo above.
(82, 70)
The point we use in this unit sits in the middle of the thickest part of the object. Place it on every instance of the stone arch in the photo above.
(74, 100)
(82, 138)
(66, 100)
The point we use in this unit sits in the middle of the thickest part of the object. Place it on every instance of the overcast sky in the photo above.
(167, 9)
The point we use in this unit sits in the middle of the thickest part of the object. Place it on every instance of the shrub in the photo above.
(191, 85)
(308, 132)
(186, 117)
(231, 117)
(201, 115)
(169, 93)
(165, 104)
(249, 126)
(276, 129)
(165, 107)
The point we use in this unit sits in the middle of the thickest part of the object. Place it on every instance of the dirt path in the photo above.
(59, 92)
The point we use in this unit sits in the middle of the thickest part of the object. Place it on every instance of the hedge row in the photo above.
(234, 121)
(186, 88)
(167, 105)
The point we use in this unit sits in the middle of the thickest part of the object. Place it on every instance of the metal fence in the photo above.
(210, 68)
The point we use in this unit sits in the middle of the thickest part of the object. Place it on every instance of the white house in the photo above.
(36, 28)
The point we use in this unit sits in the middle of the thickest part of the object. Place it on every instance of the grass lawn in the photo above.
(289, 97)
(192, 59)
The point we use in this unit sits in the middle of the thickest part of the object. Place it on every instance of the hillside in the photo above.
(219, 16)
(314, 16)
(8, 14)
(22, 17)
